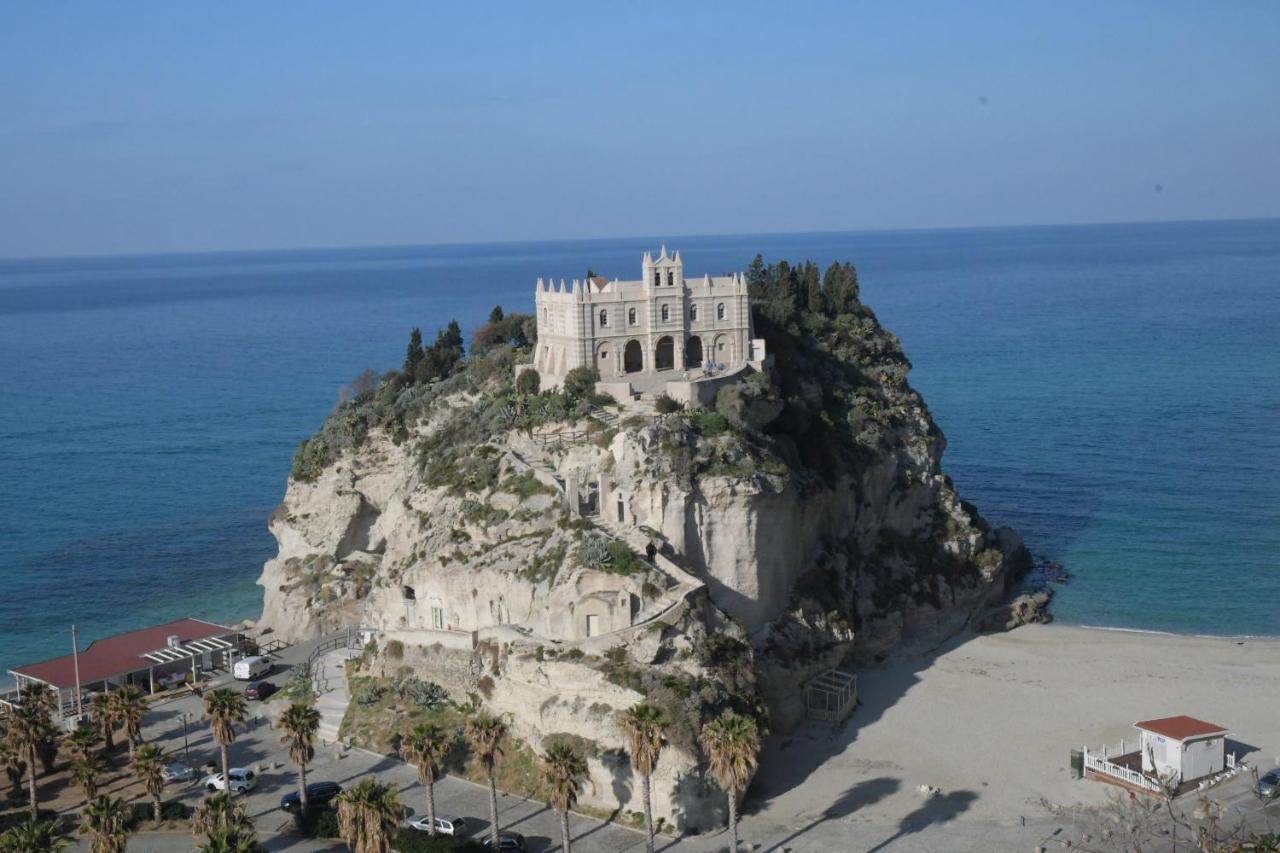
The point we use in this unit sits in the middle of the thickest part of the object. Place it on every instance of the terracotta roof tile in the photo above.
(1180, 727)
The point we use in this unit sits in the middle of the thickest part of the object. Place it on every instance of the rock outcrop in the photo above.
(803, 524)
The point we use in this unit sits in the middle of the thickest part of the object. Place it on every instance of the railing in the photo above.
(1136, 778)
(307, 669)
(273, 647)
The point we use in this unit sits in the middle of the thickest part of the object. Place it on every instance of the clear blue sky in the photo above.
(139, 127)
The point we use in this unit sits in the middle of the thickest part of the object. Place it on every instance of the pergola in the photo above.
(187, 651)
(831, 695)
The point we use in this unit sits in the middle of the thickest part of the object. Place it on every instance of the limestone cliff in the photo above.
(496, 540)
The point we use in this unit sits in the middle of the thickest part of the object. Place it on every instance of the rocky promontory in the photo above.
(557, 556)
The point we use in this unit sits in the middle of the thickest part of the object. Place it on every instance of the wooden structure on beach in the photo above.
(831, 696)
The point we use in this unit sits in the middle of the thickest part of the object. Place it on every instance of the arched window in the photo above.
(604, 317)
(693, 313)
(720, 311)
(657, 278)
(631, 316)
(666, 312)
(671, 279)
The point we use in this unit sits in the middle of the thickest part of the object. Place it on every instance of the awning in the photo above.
(195, 648)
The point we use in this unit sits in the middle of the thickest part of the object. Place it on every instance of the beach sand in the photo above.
(990, 720)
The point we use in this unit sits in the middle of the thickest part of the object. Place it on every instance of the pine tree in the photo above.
(496, 315)
(414, 354)
(756, 275)
(811, 288)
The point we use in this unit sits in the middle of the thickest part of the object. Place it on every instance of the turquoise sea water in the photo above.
(1111, 391)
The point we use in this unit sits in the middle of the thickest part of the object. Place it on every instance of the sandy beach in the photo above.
(990, 721)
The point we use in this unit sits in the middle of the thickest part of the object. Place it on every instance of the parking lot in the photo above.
(258, 746)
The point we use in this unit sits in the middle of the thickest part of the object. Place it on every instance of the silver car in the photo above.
(1269, 785)
(179, 772)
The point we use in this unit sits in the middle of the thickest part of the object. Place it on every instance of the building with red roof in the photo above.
(148, 658)
(1182, 748)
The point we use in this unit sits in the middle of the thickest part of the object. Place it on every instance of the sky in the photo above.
(162, 127)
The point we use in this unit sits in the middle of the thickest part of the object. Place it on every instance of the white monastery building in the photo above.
(639, 334)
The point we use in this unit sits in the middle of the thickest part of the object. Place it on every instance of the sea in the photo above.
(1110, 391)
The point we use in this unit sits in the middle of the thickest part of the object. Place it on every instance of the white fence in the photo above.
(1099, 764)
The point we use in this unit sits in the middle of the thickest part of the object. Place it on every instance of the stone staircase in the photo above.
(332, 703)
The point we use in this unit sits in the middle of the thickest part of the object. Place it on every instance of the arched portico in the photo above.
(693, 352)
(664, 354)
(633, 357)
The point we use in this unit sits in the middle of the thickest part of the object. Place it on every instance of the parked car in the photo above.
(319, 795)
(510, 842)
(179, 772)
(1269, 785)
(242, 779)
(259, 690)
(247, 669)
(445, 825)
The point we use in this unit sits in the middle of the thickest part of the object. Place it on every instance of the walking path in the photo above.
(332, 704)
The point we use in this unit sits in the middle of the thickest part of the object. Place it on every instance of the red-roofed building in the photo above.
(148, 658)
(1182, 748)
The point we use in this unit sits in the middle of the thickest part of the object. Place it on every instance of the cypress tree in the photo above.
(496, 315)
(414, 355)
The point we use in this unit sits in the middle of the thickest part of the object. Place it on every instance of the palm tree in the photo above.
(732, 744)
(224, 708)
(11, 760)
(218, 813)
(368, 815)
(106, 819)
(563, 770)
(82, 741)
(642, 726)
(103, 713)
(426, 746)
(29, 727)
(129, 708)
(34, 836)
(485, 734)
(228, 840)
(87, 770)
(148, 767)
(300, 722)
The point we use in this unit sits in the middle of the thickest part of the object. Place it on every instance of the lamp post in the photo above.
(186, 748)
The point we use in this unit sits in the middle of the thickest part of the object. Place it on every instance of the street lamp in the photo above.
(186, 748)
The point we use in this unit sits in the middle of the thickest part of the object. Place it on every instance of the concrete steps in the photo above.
(332, 703)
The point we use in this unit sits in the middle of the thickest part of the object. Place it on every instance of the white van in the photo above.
(247, 669)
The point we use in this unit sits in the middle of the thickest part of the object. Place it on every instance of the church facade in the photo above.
(662, 325)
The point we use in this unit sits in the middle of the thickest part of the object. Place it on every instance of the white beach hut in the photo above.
(1182, 748)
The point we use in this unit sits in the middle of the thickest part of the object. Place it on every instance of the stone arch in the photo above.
(606, 360)
(693, 352)
(633, 357)
(664, 354)
(721, 350)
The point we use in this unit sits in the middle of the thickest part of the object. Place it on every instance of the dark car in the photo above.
(1269, 785)
(510, 842)
(319, 795)
(259, 690)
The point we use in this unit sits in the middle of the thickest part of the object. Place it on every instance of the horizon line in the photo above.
(531, 242)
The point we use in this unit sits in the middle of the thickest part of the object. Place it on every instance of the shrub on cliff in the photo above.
(581, 381)
(515, 330)
(664, 405)
(528, 382)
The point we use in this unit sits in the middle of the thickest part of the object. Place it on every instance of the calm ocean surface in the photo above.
(1111, 391)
